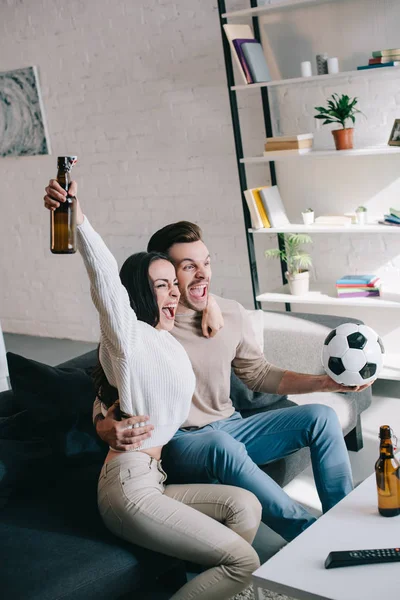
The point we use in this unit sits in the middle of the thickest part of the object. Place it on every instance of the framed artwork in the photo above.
(23, 130)
(394, 139)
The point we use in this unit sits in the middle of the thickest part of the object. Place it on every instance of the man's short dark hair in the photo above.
(182, 232)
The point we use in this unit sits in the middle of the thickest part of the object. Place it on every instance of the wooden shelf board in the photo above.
(297, 80)
(293, 154)
(325, 294)
(315, 228)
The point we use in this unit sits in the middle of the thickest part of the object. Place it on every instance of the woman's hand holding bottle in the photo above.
(55, 194)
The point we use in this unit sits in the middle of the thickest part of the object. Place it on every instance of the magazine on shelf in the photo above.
(273, 205)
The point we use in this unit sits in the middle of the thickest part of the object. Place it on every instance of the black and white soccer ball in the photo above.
(353, 354)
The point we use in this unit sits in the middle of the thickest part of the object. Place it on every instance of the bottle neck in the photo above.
(386, 449)
(63, 178)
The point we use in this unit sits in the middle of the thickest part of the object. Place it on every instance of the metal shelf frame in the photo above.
(239, 147)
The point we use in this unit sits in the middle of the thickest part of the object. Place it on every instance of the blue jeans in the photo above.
(228, 452)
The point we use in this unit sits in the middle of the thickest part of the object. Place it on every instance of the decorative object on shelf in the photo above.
(23, 130)
(322, 64)
(333, 65)
(273, 205)
(308, 216)
(358, 286)
(306, 70)
(302, 141)
(382, 58)
(352, 354)
(340, 109)
(394, 139)
(361, 215)
(297, 260)
(258, 214)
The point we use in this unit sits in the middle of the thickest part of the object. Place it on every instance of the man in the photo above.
(216, 444)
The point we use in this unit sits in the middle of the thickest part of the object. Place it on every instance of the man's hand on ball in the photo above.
(332, 386)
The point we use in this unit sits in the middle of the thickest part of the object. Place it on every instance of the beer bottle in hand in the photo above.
(63, 218)
(387, 471)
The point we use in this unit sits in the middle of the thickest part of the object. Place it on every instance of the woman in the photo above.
(153, 375)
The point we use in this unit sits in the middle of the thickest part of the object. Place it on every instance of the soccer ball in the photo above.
(353, 354)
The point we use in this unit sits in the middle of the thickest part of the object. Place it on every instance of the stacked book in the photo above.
(382, 58)
(358, 286)
(266, 207)
(300, 143)
(393, 218)
(247, 53)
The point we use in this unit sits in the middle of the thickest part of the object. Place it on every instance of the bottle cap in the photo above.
(66, 162)
(385, 432)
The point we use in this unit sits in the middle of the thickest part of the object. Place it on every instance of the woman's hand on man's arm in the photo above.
(119, 434)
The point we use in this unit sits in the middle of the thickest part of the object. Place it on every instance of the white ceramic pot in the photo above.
(308, 218)
(361, 217)
(299, 284)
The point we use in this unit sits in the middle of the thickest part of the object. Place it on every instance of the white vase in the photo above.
(361, 217)
(299, 284)
(308, 218)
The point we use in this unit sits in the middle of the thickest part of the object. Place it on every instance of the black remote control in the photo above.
(348, 558)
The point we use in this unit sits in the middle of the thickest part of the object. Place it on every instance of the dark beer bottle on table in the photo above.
(387, 471)
(63, 218)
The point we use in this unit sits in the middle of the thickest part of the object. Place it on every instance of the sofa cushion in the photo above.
(59, 404)
(57, 546)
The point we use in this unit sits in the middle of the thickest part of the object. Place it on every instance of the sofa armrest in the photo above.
(294, 341)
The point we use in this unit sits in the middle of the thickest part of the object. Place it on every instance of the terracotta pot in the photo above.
(343, 138)
(299, 283)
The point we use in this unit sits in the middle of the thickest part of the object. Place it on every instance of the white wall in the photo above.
(140, 95)
(138, 91)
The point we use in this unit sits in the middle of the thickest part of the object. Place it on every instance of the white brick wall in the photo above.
(137, 90)
(139, 94)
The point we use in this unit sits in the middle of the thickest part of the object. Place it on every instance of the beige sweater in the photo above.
(234, 345)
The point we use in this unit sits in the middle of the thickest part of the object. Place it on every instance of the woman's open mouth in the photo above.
(169, 311)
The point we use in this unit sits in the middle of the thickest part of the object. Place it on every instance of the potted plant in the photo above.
(308, 216)
(361, 215)
(296, 259)
(340, 109)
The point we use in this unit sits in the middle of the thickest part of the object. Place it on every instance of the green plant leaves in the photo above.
(339, 109)
(295, 258)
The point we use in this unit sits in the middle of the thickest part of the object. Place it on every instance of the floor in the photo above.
(385, 409)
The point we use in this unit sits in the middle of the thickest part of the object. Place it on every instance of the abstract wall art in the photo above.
(23, 130)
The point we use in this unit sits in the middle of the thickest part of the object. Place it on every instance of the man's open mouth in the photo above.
(199, 291)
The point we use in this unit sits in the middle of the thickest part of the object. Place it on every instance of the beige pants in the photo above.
(212, 525)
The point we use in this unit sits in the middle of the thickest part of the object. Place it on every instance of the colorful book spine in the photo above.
(363, 294)
(357, 280)
(260, 207)
(237, 43)
(380, 53)
(383, 59)
(392, 63)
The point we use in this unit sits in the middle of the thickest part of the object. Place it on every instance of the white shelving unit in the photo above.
(304, 80)
(274, 5)
(315, 228)
(294, 154)
(325, 294)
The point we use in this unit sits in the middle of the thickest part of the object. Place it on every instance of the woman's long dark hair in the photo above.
(134, 275)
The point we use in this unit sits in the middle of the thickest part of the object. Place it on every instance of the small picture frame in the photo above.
(394, 139)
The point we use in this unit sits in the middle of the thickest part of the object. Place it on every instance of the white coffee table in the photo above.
(298, 569)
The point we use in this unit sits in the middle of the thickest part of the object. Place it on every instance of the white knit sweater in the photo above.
(150, 369)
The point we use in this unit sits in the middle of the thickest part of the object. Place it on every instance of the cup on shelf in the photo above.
(306, 70)
(333, 65)
(308, 217)
(361, 215)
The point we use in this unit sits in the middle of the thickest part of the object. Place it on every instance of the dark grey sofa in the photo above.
(54, 545)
